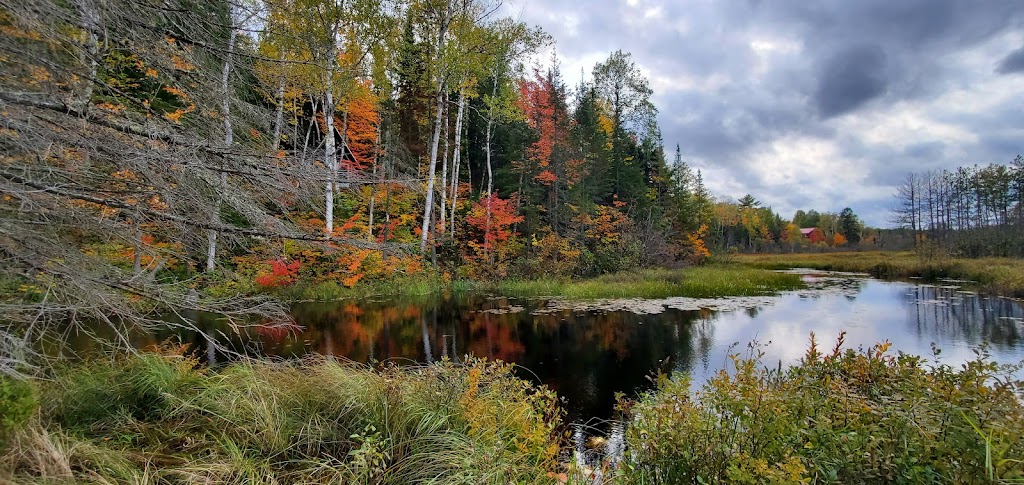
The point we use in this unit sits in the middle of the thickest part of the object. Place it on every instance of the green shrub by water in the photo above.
(843, 417)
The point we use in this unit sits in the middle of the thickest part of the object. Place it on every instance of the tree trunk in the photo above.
(487, 149)
(432, 165)
(330, 155)
(457, 156)
(211, 235)
(444, 169)
(279, 114)
(90, 24)
(373, 186)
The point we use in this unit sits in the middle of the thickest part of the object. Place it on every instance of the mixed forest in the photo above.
(193, 154)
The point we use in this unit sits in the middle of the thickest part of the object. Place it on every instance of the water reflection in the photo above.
(589, 356)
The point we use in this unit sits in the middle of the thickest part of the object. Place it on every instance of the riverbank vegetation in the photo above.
(711, 281)
(1002, 276)
(162, 419)
(838, 416)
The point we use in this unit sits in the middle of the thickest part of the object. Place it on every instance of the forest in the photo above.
(203, 155)
(973, 210)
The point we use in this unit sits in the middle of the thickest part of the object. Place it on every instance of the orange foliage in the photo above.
(695, 244)
(503, 216)
(838, 239)
(363, 120)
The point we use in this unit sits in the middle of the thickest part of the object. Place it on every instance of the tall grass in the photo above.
(838, 417)
(156, 418)
(995, 275)
(696, 282)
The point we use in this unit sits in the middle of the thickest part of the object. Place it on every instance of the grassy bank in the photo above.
(717, 280)
(158, 419)
(695, 282)
(838, 417)
(1004, 276)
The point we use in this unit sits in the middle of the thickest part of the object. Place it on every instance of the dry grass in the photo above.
(161, 419)
(1002, 276)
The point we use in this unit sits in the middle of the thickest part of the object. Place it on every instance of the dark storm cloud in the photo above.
(849, 79)
(732, 79)
(1013, 62)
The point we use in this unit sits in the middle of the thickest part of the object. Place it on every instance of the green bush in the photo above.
(17, 403)
(843, 417)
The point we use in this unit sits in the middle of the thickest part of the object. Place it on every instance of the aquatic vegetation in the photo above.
(694, 282)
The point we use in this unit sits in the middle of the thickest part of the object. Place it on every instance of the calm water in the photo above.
(589, 354)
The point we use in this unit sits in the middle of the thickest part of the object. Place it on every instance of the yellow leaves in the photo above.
(125, 174)
(175, 116)
(606, 124)
(13, 32)
(181, 64)
(351, 280)
(157, 204)
(39, 75)
(150, 72)
(111, 108)
(175, 91)
(695, 243)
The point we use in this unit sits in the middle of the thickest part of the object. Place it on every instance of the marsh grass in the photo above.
(154, 418)
(843, 416)
(836, 417)
(1003, 276)
(711, 281)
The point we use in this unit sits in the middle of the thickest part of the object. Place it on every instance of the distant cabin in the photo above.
(814, 234)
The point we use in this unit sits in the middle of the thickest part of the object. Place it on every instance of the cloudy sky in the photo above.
(813, 104)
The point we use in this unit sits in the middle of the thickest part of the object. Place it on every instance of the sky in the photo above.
(820, 104)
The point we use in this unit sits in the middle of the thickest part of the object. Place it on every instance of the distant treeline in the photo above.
(975, 210)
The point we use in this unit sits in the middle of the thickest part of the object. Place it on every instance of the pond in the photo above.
(590, 351)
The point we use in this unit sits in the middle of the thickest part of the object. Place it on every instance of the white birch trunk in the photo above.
(90, 24)
(279, 114)
(457, 156)
(229, 137)
(373, 184)
(444, 168)
(432, 164)
(330, 153)
(487, 149)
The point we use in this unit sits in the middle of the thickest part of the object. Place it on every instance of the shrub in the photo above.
(843, 417)
(17, 403)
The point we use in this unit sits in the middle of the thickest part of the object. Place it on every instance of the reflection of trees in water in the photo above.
(945, 314)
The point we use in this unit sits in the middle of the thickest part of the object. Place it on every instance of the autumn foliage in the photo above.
(280, 273)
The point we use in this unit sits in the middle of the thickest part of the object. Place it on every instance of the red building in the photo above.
(814, 234)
